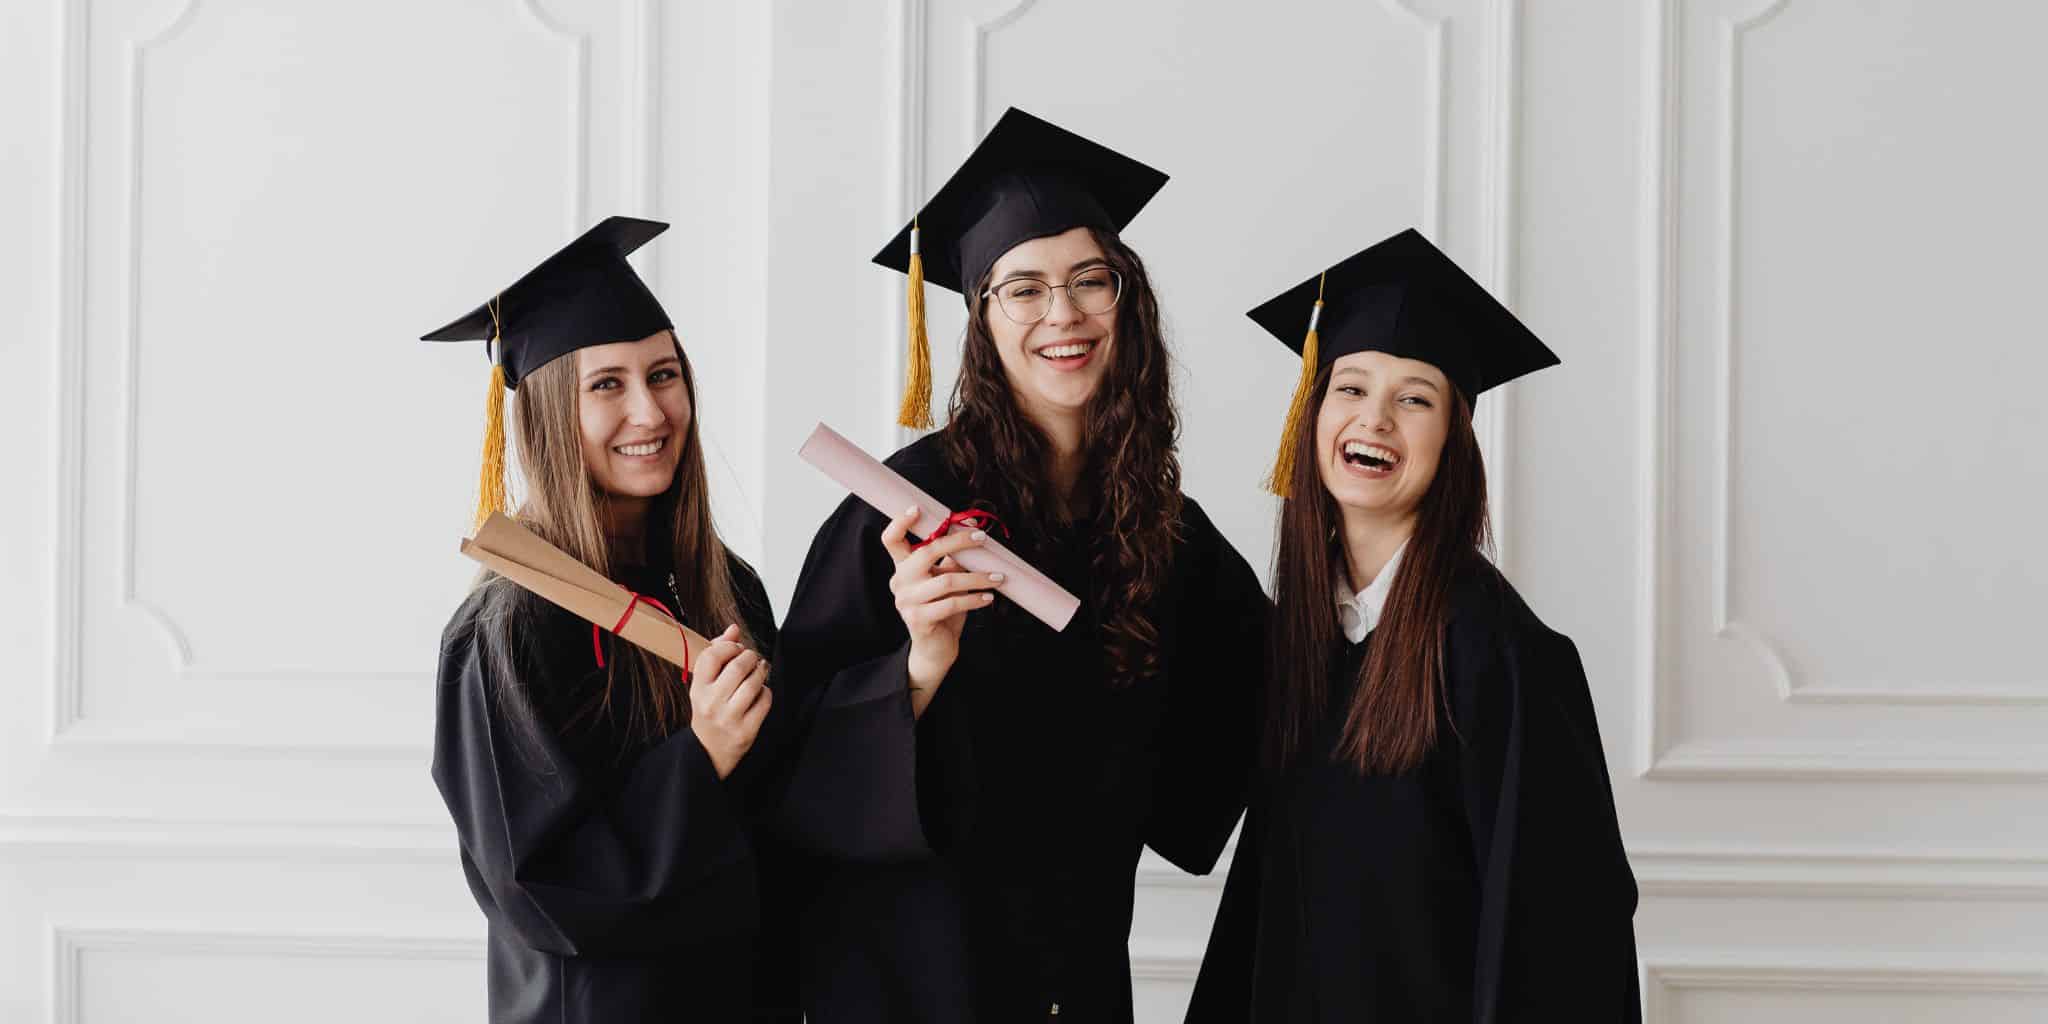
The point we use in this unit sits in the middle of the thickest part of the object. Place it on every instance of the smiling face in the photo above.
(1380, 434)
(634, 410)
(1055, 364)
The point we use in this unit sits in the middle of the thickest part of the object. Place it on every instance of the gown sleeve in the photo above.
(1209, 735)
(654, 859)
(842, 665)
(1555, 937)
(1224, 987)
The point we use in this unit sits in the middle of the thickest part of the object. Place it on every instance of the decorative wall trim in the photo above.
(1174, 966)
(68, 945)
(1504, 181)
(979, 32)
(1436, 113)
(1660, 195)
(69, 836)
(67, 558)
(1733, 760)
(642, 156)
(1661, 871)
(1723, 872)
(1667, 974)
(67, 719)
(904, 195)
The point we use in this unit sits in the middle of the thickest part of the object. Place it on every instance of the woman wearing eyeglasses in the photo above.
(982, 784)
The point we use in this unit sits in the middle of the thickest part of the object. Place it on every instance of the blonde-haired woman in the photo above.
(603, 802)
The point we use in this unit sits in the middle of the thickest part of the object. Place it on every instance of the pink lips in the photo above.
(1360, 469)
(1068, 363)
(652, 456)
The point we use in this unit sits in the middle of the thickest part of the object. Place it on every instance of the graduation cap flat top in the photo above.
(1027, 179)
(586, 294)
(1404, 297)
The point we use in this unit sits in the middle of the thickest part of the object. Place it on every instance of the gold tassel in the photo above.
(917, 384)
(1297, 409)
(490, 496)
(490, 491)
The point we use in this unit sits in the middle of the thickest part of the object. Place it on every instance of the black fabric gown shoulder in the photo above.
(984, 854)
(618, 879)
(1488, 884)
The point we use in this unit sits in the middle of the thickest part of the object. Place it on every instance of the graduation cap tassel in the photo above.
(917, 385)
(1297, 409)
(491, 482)
(490, 490)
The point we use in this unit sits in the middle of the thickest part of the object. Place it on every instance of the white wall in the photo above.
(1778, 491)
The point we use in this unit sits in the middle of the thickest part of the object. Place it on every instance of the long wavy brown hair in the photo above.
(645, 695)
(1130, 469)
(1392, 721)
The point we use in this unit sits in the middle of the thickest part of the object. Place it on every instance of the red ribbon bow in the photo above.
(980, 519)
(597, 631)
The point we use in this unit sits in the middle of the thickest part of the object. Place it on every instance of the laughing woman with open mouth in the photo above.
(1435, 838)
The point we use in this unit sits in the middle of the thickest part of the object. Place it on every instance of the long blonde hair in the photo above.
(564, 505)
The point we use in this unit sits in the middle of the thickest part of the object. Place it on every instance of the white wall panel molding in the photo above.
(1664, 191)
(1726, 872)
(50, 835)
(69, 945)
(105, 180)
(1164, 965)
(1436, 144)
(979, 31)
(905, 195)
(1670, 973)
(1494, 420)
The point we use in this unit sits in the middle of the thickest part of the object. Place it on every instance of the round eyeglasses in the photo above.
(1027, 300)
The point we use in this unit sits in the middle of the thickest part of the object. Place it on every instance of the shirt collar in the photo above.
(1358, 613)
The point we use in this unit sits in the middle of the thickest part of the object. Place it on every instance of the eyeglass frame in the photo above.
(1114, 273)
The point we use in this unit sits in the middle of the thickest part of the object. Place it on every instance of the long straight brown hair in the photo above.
(1392, 721)
(564, 505)
(1130, 467)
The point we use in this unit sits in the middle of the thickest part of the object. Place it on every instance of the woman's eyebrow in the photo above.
(656, 365)
(1034, 272)
(1425, 382)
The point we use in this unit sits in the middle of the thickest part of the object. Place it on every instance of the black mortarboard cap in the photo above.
(1404, 297)
(1029, 178)
(586, 294)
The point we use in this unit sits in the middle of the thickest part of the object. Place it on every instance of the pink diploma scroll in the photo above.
(890, 494)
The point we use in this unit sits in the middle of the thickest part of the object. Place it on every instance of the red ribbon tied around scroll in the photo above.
(976, 518)
(597, 631)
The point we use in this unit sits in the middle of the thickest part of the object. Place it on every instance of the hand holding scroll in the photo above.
(729, 697)
(934, 593)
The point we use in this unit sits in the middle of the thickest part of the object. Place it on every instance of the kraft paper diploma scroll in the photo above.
(515, 553)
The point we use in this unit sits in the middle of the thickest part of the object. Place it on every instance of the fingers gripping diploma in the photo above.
(729, 697)
(934, 595)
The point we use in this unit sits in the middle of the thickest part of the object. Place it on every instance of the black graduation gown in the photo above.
(1487, 884)
(984, 854)
(619, 879)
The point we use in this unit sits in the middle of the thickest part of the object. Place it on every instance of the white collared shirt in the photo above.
(1358, 613)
